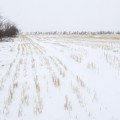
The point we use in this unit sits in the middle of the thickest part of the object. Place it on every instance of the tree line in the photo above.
(74, 33)
(7, 28)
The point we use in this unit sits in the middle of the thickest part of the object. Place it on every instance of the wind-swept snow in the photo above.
(60, 78)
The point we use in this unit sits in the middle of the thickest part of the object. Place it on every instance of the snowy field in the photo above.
(60, 78)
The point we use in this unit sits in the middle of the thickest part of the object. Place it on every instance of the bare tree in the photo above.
(7, 29)
(1, 27)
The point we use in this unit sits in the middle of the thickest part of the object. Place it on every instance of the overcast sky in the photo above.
(50, 15)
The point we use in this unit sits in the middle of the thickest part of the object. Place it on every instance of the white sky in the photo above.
(50, 15)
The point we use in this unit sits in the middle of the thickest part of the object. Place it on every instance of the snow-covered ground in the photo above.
(60, 78)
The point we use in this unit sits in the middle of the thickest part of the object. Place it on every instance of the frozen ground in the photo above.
(60, 78)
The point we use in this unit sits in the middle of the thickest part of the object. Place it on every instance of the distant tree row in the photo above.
(7, 29)
(74, 33)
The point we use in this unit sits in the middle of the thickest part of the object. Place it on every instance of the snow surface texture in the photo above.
(59, 78)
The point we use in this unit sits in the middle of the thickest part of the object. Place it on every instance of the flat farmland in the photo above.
(45, 77)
